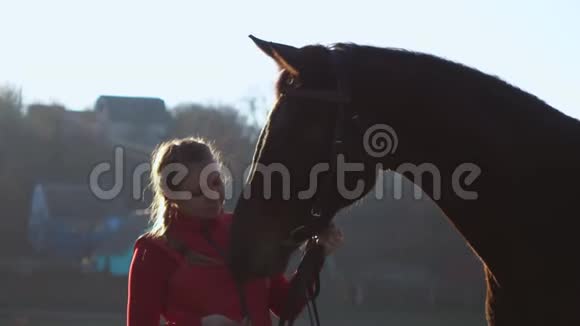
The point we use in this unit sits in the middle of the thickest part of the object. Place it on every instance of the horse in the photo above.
(501, 164)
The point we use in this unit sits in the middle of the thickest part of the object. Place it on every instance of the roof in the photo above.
(74, 201)
(133, 109)
(80, 116)
(43, 109)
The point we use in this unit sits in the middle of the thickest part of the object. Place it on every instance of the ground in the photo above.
(330, 316)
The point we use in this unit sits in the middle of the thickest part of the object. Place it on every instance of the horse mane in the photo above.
(522, 104)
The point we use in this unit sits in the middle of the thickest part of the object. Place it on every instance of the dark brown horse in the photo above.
(502, 165)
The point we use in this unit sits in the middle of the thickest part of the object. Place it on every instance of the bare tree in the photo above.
(224, 126)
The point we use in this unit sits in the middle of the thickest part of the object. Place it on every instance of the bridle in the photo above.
(321, 213)
(306, 281)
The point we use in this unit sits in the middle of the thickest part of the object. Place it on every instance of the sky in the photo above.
(71, 52)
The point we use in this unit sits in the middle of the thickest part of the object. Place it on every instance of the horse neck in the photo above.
(467, 118)
(445, 114)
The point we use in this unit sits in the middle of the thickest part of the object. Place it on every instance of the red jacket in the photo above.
(162, 283)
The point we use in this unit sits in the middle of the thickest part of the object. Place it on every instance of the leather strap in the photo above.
(192, 257)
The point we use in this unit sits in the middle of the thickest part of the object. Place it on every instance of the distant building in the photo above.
(70, 222)
(137, 122)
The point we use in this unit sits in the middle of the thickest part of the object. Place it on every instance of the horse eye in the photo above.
(292, 82)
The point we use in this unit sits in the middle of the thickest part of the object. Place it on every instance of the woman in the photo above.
(177, 269)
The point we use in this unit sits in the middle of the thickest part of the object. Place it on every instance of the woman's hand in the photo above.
(331, 239)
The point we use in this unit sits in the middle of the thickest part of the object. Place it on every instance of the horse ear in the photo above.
(286, 56)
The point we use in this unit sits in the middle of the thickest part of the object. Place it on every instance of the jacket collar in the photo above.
(181, 221)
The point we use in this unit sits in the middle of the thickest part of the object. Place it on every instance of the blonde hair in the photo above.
(179, 150)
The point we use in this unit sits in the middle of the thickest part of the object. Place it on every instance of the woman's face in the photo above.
(206, 191)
